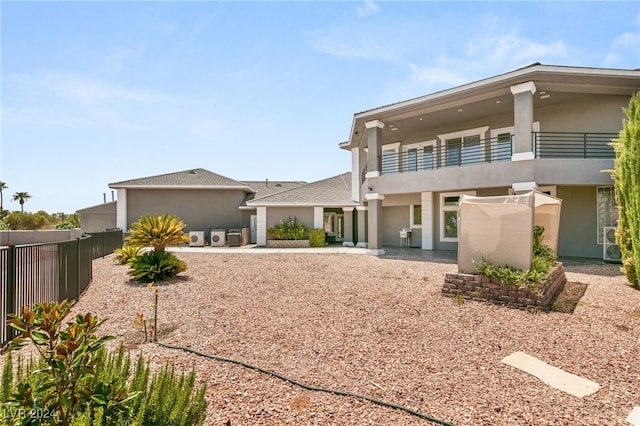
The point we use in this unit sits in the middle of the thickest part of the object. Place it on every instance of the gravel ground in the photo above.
(376, 327)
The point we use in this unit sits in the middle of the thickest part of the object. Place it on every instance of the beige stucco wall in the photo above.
(200, 210)
(98, 218)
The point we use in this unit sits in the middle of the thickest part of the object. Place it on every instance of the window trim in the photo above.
(444, 209)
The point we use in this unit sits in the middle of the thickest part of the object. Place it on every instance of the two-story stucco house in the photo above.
(540, 127)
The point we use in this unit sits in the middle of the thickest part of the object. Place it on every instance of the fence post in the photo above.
(79, 268)
(11, 288)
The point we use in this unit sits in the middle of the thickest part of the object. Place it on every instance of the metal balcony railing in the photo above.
(573, 145)
(453, 153)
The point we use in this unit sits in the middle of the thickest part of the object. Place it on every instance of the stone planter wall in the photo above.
(481, 288)
(287, 243)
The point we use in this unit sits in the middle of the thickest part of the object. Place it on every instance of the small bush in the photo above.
(156, 266)
(127, 254)
(76, 382)
(289, 230)
(316, 238)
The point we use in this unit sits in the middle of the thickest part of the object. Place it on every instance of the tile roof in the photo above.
(265, 188)
(334, 191)
(186, 178)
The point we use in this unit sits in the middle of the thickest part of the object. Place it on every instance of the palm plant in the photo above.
(157, 231)
(3, 186)
(21, 197)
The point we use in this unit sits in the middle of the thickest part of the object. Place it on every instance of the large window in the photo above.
(449, 215)
(390, 158)
(607, 210)
(418, 156)
(465, 147)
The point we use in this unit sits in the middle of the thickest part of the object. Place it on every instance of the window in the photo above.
(415, 214)
(607, 210)
(418, 156)
(503, 147)
(449, 215)
(464, 147)
(390, 158)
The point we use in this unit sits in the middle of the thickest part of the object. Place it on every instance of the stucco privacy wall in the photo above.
(98, 218)
(39, 236)
(221, 207)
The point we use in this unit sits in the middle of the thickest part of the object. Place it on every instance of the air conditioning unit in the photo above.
(196, 238)
(611, 250)
(218, 238)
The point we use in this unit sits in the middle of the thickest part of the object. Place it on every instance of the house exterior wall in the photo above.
(303, 215)
(590, 113)
(200, 210)
(578, 222)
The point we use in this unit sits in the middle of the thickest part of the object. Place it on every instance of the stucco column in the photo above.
(523, 121)
(375, 223)
(121, 210)
(374, 142)
(427, 220)
(261, 226)
(348, 226)
(362, 226)
(318, 217)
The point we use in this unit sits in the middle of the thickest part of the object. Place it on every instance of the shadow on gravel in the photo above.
(569, 298)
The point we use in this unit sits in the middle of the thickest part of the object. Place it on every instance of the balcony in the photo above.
(468, 151)
(573, 145)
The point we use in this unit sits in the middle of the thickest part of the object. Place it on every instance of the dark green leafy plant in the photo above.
(317, 238)
(65, 382)
(156, 266)
(289, 230)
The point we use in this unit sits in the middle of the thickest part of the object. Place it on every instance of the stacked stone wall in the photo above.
(480, 288)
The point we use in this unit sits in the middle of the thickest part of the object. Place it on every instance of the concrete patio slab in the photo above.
(552, 376)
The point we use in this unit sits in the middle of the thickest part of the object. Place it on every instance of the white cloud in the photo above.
(514, 49)
(368, 8)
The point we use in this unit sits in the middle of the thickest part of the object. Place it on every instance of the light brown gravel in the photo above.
(377, 327)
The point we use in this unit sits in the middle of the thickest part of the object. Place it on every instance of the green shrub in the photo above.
(127, 254)
(99, 386)
(64, 382)
(156, 266)
(289, 230)
(317, 238)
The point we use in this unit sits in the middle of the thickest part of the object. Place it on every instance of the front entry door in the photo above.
(254, 228)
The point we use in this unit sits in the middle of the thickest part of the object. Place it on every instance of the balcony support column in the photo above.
(348, 226)
(523, 121)
(374, 143)
(362, 226)
(375, 223)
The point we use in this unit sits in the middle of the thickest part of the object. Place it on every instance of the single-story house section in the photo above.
(541, 127)
(203, 200)
(325, 204)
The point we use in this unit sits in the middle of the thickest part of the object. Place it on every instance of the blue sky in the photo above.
(99, 92)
